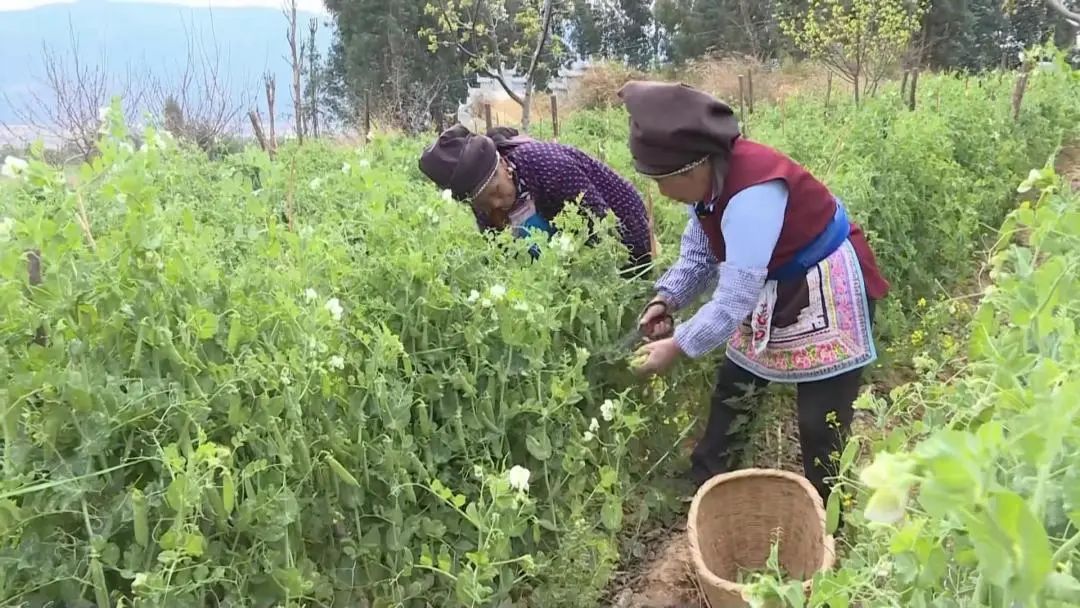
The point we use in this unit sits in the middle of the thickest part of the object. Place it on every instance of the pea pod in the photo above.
(101, 589)
(228, 492)
(342, 473)
(136, 356)
(141, 517)
(302, 455)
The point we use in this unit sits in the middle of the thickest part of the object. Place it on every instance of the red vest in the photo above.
(811, 206)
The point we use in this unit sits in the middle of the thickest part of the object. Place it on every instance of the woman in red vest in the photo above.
(796, 281)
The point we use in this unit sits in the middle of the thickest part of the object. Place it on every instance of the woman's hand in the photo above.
(659, 357)
(655, 322)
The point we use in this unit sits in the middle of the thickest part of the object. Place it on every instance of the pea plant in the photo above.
(310, 381)
(977, 504)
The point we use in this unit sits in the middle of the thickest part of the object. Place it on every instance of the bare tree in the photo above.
(67, 105)
(199, 104)
(313, 78)
(271, 94)
(295, 63)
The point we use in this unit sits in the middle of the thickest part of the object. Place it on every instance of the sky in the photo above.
(315, 6)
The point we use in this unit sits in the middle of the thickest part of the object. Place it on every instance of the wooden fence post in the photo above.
(367, 116)
(1018, 93)
(903, 85)
(828, 93)
(487, 116)
(555, 116)
(742, 105)
(750, 89)
(33, 271)
(911, 91)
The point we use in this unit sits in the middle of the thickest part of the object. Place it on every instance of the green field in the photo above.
(311, 381)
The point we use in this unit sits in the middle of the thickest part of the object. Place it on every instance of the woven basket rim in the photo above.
(703, 571)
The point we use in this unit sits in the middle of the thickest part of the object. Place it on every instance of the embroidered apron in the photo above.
(812, 320)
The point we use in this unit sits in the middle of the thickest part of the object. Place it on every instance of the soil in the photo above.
(1068, 164)
(663, 576)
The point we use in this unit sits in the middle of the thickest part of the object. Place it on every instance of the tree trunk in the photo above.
(271, 94)
(545, 30)
(526, 110)
(313, 79)
(856, 80)
(298, 99)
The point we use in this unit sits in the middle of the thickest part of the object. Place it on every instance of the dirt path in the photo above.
(1068, 164)
(663, 576)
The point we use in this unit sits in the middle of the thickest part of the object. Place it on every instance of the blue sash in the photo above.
(817, 250)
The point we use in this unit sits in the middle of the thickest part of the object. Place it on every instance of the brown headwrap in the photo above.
(460, 161)
(674, 127)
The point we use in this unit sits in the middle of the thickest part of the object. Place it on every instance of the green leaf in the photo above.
(194, 544)
(611, 514)
(608, 477)
(205, 323)
(538, 444)
(1029, 541)
(793, 593)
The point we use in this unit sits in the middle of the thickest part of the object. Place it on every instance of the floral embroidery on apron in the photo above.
(831, 336)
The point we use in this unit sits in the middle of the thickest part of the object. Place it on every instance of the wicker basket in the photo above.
(734, 519)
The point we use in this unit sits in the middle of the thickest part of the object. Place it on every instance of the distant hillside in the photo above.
(140, 36)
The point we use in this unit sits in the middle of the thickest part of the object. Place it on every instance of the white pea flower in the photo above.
(478, 471)
(365, 164)
(888, 471)
(315, 183)
(447, 195)
(346, 168)
(890, 476)
(473, 296)
(521, 306)
(486, 303)
(607, 410)
(519, 478)
(886, 506)
(14, 167)
(564, 244)
(310, 295)
(430, 214)
(337, 362)
(497, 292)
(588, 436)
(6, 226)
(285, 379)
(335, 309)
(594, 425)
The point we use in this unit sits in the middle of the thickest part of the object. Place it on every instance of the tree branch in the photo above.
(1061, 9)
(548, 12)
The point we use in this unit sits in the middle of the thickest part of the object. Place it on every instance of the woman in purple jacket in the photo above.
(516, 182)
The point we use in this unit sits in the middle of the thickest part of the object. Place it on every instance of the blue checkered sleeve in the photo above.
(693, 272)
(736, 294)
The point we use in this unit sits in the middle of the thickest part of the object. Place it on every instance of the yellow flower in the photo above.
(917, 337)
